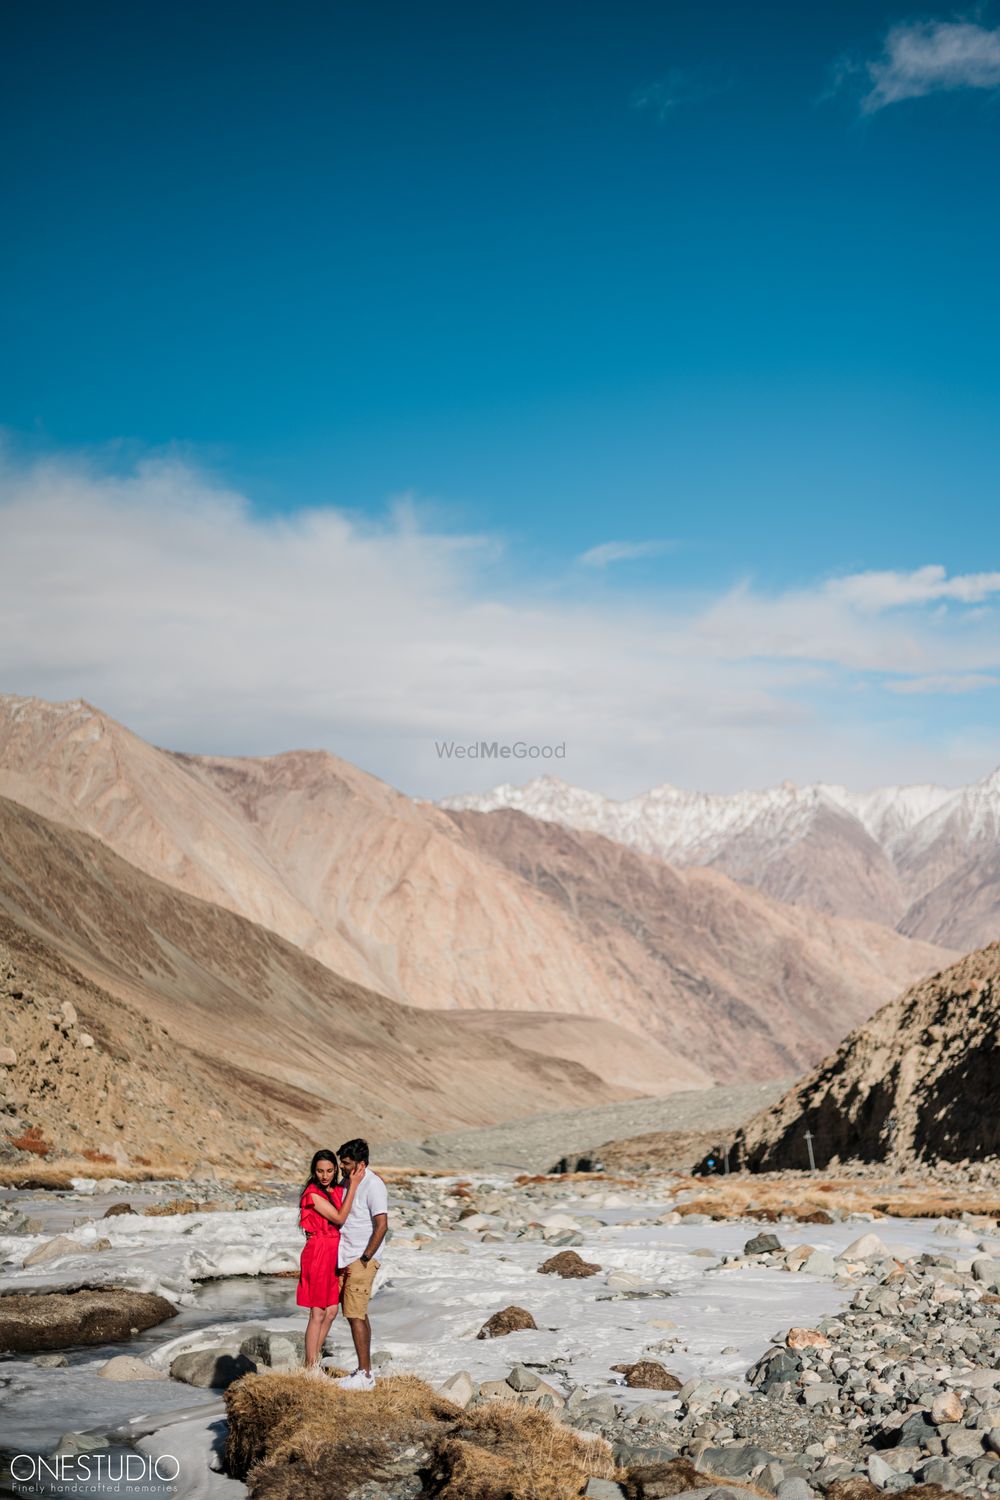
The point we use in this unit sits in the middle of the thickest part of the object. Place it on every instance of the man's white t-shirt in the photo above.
(370, 1199)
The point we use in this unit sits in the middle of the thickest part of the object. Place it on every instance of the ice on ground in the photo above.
(196, 1444)
(167, 1253)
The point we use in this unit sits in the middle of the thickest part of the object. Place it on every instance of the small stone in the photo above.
(879, 1471)
(8, 1057)
(522, 1379)
(795, 1489)
(946, 1407)
(508, 1320)
(50, 1361)
(806, 1338)
(85, 1039)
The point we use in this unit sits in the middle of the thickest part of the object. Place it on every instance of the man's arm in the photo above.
(380, 1224)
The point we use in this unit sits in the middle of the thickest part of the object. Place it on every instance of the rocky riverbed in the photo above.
(786, 1355)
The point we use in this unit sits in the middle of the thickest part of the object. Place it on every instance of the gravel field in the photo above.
(536, 1144)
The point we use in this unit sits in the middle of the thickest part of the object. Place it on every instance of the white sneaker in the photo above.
(359, 1381)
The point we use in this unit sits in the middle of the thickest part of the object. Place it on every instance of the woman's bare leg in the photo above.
(328, 1316)
(314, 1334)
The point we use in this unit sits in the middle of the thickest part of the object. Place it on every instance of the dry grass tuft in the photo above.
(55, 1175)
(292, 1437)
(282, 1418)
(504, 1451)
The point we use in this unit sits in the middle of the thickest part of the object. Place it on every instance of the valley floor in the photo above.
(909, 1320)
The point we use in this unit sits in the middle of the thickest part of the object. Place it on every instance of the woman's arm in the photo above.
(325, 1208)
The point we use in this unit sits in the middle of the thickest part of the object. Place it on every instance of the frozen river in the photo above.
(431, 1302)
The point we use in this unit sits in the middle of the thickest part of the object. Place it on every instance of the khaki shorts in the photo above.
(356, 1288)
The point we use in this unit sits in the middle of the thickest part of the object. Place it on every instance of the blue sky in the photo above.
(705, 298)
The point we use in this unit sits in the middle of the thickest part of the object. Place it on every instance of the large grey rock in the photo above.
(278, 1351)
(54, 1249)
(762, 1244)
(735, 1461)
(964, 1442)
(57, 1320)
(210, 1368)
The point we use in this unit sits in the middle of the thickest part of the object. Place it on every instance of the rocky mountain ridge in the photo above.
(919, 1081)
(904, 856)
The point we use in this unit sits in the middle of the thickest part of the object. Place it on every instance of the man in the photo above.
(361, 1234)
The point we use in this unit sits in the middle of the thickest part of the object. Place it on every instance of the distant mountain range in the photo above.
(489, 918)
(924, 860)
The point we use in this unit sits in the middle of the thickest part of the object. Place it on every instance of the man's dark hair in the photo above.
(356, 1150)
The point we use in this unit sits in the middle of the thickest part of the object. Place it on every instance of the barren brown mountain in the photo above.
(729, 975)
(404, 899)
(193, 1032)
(920, 1080)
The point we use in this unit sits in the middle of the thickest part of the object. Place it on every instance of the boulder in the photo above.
(277, 1351)
(522, 1379)
(820, 1263)
(63, 1244)
(507, 1320)
(568, 1265)
(459, 1388)
(762, 1244)
(127, 1367)
(866, 1247)
(213, 1369)
(50, 1361)
(57, 1320)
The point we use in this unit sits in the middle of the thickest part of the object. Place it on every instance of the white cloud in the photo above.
(159, 596)
(929, 57)
(612, 552)
(874, 592)
(969, 682)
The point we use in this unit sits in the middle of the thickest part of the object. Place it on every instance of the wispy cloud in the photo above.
(680, 86)
(929, 57)
(874, 592)
(161, 596)
(969, 682)
(606, 553)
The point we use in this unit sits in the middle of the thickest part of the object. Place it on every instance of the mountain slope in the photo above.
(748, 986)
(920, 1079)
(412, 902)
(877, 855)
(195, 1010)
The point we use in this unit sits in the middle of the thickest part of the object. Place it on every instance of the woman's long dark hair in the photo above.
(311, 1180)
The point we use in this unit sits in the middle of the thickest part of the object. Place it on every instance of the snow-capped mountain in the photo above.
(891, 855)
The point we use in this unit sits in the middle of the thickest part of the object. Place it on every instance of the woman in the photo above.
(322, 1210)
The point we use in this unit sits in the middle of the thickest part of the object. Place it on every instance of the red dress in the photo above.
(318, 1284)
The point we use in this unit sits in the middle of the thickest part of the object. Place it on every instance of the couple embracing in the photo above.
(344, 1211)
